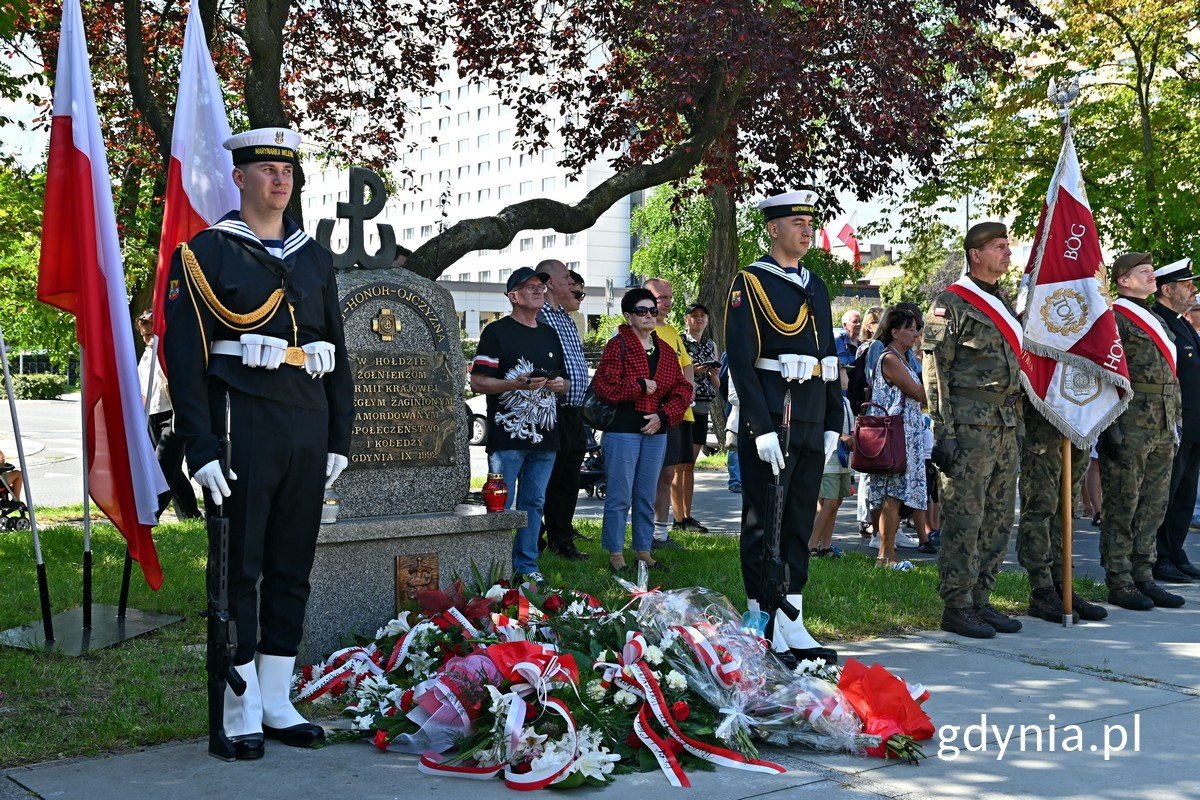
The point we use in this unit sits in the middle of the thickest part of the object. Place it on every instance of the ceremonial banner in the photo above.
(1073, 363)
(81, 273)
(200, 187)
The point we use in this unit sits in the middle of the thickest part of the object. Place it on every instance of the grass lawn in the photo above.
(718, 460)
(151, 689)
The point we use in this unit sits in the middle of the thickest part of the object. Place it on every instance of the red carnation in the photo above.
(306, 673)
(553, 603)
(633, 741)
(680, 710)
(381, 739)
(406, 701)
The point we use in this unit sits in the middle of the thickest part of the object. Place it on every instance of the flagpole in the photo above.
(87, 501)
(1068, 519)
(43, 584)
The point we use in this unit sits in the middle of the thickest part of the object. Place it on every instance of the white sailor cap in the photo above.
(1175, 272)
(789, 204)
(264, 144)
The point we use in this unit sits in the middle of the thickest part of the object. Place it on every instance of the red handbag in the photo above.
(879, 446)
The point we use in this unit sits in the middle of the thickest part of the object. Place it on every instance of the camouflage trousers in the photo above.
(1136, 483)
(1039, 533)
(977, 513)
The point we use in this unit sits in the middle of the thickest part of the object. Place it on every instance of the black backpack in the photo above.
(858, 389)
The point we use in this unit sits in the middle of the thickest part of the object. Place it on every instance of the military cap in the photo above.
(1175, 272)
(789, 204)
(982, 233)
(264, 144)
(1124, 263)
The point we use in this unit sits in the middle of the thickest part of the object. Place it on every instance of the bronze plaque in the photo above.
(415, 574)
(404, 409)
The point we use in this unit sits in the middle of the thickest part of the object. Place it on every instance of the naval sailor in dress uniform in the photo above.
(253, 314)
(779, 336)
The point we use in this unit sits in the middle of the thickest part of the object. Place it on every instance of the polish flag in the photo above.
(1073, 363)
(846, 237)
(200, 187)
(825, 244)
(81, 273)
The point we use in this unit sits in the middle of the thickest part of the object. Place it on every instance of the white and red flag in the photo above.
(846, 237)
(81, 273)
(1072, 363)
(824, 242)
(200, 187)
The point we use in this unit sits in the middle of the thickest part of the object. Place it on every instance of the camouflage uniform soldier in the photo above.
(972, 376)
(1039, 533)
(1136, 451)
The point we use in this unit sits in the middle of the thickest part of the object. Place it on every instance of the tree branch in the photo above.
(139, 81)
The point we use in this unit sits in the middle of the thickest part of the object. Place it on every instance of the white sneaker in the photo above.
(906, 541)
(903, 566)
(874, 543)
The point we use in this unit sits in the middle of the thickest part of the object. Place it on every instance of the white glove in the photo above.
(318, 358)
(334, 464)
(209, 476)
(770, 451)
(831, 443)
(731, 426)
(262, 351)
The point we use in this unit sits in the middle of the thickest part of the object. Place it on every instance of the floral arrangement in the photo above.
(549, 688)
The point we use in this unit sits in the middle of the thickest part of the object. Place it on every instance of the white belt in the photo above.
(763, 363)
(227, 347)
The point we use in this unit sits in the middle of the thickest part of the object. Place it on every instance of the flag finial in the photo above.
(1063, 94)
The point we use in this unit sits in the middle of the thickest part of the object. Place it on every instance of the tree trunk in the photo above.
(720, 264)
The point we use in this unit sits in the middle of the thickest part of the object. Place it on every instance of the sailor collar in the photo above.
(801, 277)
(294, 240)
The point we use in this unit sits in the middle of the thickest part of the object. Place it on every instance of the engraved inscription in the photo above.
(404, 407)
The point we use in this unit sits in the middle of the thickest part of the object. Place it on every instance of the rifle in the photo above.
(222, 630)
(775, 575)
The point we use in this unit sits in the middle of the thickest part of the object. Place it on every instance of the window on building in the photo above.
(504, 191)
(407, 208)
(464, 198)
(444, 97)
(504, 273)
(549, 184)
(426, 205)
(526, 160)
(464, 119)
(408, 233)
(426, 152)
(484, 194)
(525, 188)
(483, 168)
(426, 128)
(504, 136)
(573, 266)
(426, 178)
(526, 244)
(483, 113)
(443, 123)
(548, 155)
(444, 175)
(571, 239)
(443, 150)
(462, 91)
(549, 242)
(463, 144)
(483, 140)
(485, 276)
(464, 276)
(503, 163)
(427, 101)
(426, 231)
(506, 249)
(464, 172)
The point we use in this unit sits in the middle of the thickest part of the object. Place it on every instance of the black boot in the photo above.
(1045, 603)
(965, 622)
(1003, 623)
(1089, 612)
(1158, 595)
(1127, 596)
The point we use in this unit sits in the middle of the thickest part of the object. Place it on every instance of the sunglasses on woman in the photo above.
(578, 295)
(643, 311)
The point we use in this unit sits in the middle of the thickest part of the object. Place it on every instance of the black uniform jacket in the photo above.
(1187, 367)
(242, 276)
(749, 335)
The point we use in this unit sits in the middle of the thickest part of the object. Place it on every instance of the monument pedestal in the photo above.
(356, 575)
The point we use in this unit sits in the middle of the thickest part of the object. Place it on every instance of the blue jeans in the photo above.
(526, 472)
(733, 467)
(632, 462)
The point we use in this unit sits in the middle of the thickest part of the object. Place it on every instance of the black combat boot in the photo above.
(1158, 595)
(1045, 603)
(1127, 596)
(1002, 622)
(965, 622)
(1089, 612)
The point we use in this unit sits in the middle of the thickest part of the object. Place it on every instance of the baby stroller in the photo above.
(14, 516)
(591, 471)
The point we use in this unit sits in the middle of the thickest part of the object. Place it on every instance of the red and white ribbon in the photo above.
(340, 670)
(724, 671)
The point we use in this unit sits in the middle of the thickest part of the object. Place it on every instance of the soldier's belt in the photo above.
(293, 356)
(1153, 388)
(991, 398)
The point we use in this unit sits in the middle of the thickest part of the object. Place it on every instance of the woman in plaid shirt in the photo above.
(640, 375)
